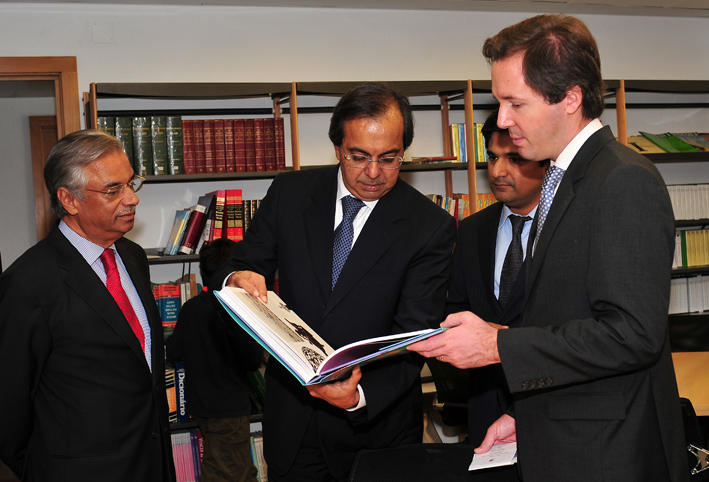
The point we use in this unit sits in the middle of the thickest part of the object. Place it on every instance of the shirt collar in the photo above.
(342, 191)
(89, 250)
(573, 147)
(506, 213)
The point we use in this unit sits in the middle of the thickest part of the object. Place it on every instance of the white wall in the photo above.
(233, 44)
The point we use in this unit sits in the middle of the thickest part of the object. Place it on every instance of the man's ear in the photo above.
(573, 100)
(68, 200)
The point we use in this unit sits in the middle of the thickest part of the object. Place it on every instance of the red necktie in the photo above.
(113, 283)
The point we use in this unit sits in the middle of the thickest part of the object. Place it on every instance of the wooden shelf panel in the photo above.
(191, 90)
(229, 176)
(684, 272)
(670, 157)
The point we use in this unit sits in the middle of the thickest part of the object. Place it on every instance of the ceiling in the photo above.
(667, 8)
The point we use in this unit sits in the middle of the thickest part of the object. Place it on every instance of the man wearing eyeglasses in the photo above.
(81, 350)
(393, 281)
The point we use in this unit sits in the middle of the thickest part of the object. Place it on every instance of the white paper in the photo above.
(497, 456)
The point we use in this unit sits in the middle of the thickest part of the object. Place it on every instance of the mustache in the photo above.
(128, 210)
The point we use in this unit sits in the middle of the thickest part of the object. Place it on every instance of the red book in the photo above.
(269, 140)
(209, 159)
(199, 160)
(188, 146)
(239, 146)
(280, 136)
(229, 154)
(219, 211)
(234, 215)
(259, 145)
(219, 146)
(249, 143)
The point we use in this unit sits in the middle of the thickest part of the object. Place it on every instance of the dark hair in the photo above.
(559, 52)
(67, 162)
(491, 126)
(372, 99)
(213, 256)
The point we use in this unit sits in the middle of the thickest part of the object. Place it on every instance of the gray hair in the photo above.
(67, 162)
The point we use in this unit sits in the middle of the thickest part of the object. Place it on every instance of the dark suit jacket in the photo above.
(394, 281)
(472, 289)
(590, 366)
(78, 400)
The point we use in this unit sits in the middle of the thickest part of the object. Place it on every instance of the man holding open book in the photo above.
(359, 254)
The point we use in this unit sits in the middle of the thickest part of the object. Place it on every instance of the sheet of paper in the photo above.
(497, 456)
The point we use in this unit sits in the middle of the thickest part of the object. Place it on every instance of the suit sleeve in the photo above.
(421, 305)
(626, 293)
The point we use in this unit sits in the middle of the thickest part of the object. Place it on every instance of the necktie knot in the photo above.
(518, 224)
(108, 258)
(350, 207)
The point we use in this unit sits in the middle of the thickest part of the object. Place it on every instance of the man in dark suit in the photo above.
(485, 279)
(595, 395)
(393, 281)
(81, 348)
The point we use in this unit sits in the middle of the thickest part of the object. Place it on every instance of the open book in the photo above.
(292, 342)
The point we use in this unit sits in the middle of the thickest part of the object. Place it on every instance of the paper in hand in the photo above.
(497, 456)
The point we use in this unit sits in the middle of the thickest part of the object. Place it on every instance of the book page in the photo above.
(497, 456)
(278, 329)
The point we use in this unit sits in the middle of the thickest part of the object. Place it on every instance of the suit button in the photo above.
(533, 384)
(549, 382)
(155, 434)
(525, 385)
(540, 383)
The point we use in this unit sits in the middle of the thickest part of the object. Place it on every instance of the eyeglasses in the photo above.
(135, 184)
(360, 161)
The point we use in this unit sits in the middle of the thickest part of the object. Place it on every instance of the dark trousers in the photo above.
(227, 450)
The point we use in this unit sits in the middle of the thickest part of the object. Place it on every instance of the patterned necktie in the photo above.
(513, 258)
(344, 235)
(551, 179)
(113, 283)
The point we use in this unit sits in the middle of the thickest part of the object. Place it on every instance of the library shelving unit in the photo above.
(284, 97)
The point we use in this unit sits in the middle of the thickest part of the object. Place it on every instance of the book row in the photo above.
(690, 201)
(171, 296)
(672, 142)
(163, 145)
(689, 295)
(691, 248)
(187, 453)
(459, 143)
(218, 214)
(458, 206)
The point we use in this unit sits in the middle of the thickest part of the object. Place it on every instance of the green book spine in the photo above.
(669, 143)
(684, 249)
(175, 157)
(142, 147)
(124, 133)
(107, 125)
(158, 139)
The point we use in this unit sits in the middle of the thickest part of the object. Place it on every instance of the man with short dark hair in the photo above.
(590, 367)
(81, 346)
(487, 278)
(359, 254)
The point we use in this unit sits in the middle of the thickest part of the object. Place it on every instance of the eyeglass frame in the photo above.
(369, 160)
(119, 189)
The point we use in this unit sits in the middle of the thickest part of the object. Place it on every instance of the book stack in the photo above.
(257, 456)
(187, 450)
(153, 144)
(672, 142)
(171, 392)
(690, 201)
(689, 295)
(459, 143)
(218, 214)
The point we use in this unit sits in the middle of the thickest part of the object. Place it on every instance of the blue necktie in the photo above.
(551, 179)
(513, 258)
(344, 235)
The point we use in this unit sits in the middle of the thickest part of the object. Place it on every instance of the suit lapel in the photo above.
(319, 221)
(563, 198)
(382, 229)
(487, 241)
(88, 286)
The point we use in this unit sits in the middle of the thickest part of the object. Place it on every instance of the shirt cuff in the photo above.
(362, 400)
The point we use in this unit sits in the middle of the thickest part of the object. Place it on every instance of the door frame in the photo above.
(62, 71)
